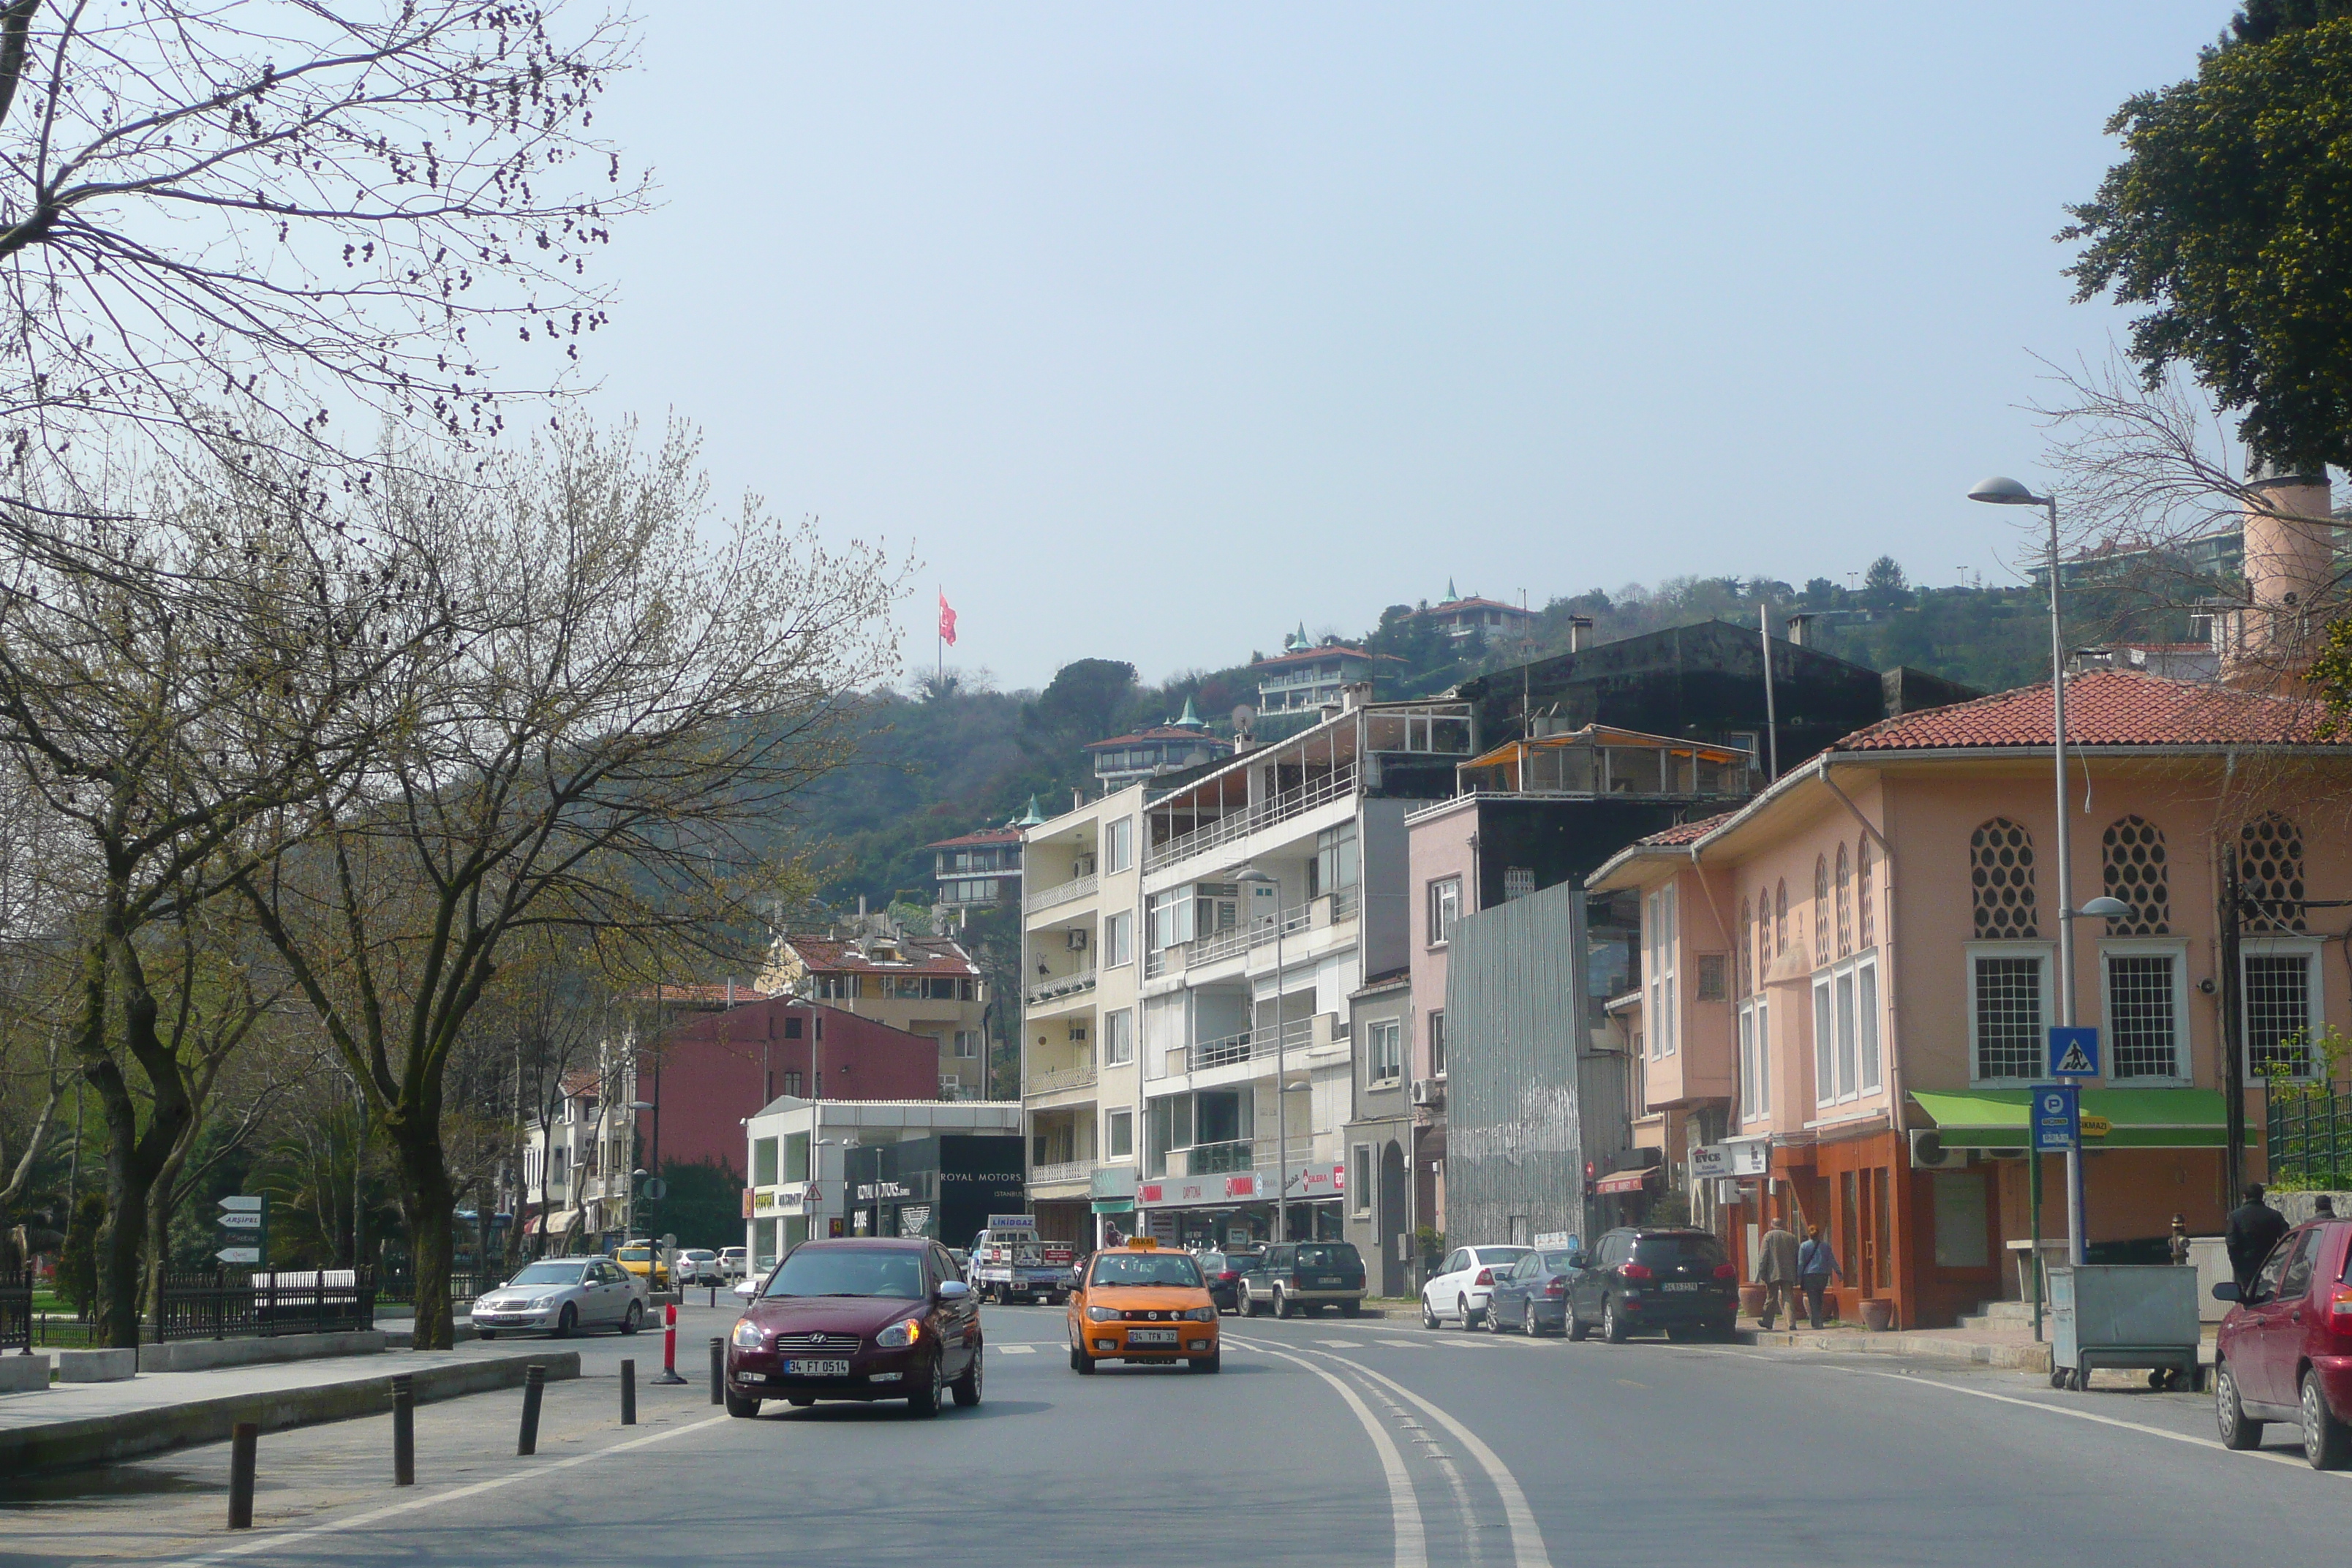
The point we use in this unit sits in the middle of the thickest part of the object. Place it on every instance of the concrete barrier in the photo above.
(200, 1355)
(96, 1366)
(23, 1374)
(102, 1439)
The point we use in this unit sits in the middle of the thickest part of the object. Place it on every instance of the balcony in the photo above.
(1341, 906)
(1055, 1080)
(1298, 1035)
(1062, 1173)
(1062, 893)
(1215, 1159)
(1337, 784)
(1055, 988)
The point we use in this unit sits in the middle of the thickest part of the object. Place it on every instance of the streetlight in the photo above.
(1253, 879)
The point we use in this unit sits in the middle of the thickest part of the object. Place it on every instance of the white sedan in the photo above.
(1459, 1288)
(561, 1296)
(698, 1266)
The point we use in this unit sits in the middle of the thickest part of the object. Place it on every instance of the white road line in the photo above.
(1404, 1344)
(1342, 1345)
(272, 1539)
(1015, 1349)
(1445, 1464)
(1527, 1539)
(1404, 1508)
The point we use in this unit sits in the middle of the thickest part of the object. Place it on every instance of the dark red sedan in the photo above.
(858, 1319)
(2285, 1349)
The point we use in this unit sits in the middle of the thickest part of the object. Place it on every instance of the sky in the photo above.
(1154, 332)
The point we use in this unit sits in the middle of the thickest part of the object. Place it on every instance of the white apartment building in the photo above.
(576, 1192)
(1081, 951)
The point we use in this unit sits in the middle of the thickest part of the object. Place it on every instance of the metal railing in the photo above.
(1241, 939)
(1056, 1080)
(1062, 1170)
(16, 1312)
(464, 1286)
(1250, 1044)
(1061, 893)
(2310, 1136)
(1219, 1159)
(217, 1304)
(1316, 792)
(1060, 987)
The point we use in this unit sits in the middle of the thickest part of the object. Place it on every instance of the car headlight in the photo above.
(538, 1303)
(1201, 1315)
(1102, 1314)
(747, 1334)
(899, 1335)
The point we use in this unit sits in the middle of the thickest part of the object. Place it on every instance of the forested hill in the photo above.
(937, 763)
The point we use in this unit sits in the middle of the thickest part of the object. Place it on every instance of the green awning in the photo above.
(1114, 1205)
(2137, 1118)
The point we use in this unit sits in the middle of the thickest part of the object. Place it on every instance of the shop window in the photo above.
(763, 1162)
(2270, 873)
(2131, 866)
(2001, 878)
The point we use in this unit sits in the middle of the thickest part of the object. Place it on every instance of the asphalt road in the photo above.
(1324, 1440)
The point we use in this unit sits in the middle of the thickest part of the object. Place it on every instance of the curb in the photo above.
(2023, 1358)
(102, 1439)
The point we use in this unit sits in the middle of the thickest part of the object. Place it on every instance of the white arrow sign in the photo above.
(241, 1204)
(239, 1221)
(239, 1254)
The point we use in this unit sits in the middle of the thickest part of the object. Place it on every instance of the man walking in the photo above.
(2254, 1229)
(1815, 1266)
(1776, 1270)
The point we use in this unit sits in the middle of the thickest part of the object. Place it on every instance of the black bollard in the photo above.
(718, 1370)
(243, 1438)
(534, 1385)
(628, 1391)
(404, 1431)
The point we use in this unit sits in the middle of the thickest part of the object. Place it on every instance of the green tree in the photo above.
(1082, 698)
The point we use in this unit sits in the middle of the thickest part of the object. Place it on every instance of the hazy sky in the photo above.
(1157, 330)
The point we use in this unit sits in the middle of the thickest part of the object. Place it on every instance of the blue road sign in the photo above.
(2057, 1118)
(2073, 1053)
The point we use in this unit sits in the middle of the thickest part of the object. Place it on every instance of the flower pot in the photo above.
(1878, 1314)
(1751, 1300)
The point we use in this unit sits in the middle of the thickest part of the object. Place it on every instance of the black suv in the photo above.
(1638, 1279)
(1300, 1275)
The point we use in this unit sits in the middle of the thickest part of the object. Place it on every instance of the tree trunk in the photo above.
(427, 1201)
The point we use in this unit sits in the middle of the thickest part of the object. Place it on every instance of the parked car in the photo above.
(645, 1260)
(561, 1295)
(1224, 1271)
(1644, 1281)
(734, 1262)
(1303, 1276)
(863, 1318)
(1459, 1288)
(1143, 1303)
(699, 1266)
(1532, 1296)
(2284, 1353)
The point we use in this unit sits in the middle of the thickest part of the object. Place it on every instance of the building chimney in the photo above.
(1077, 797)
(1801, 629)
(1576, 627)
(2289, 570)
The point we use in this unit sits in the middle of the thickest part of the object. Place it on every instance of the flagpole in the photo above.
(939, 647)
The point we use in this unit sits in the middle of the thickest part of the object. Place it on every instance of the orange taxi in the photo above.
(1143, 1302)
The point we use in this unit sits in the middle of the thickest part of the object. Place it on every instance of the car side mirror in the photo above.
(1580, 1260)
(747, 1289)
(953, 1290)
(2226, 1290)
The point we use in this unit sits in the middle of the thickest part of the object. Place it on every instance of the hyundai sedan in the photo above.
(858, 1319)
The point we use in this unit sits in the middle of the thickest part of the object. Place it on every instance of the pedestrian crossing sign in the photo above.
(2073, 1053)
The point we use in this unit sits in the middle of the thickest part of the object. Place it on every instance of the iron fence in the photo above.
(218, 1304)
(16, 1312)
(399, 1286)
(2310, 1136)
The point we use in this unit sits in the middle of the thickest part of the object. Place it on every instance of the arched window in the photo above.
(1820, 910)
(1845, 903)
(1747, 975)
(2000, 874)
(2270, 873)
(1780, 916)
(2132, 866)
(1862, 875)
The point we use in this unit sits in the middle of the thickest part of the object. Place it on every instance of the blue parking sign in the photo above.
(2073, 1053)
(2057, 1118)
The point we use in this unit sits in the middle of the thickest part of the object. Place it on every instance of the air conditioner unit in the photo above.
(1428, 1091)
(1077, 1031)
(1077, 939)
(1929, 1153)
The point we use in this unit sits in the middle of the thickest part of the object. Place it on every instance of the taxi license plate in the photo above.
(816, 1369)
(1682, 1284)
(1151, 1336)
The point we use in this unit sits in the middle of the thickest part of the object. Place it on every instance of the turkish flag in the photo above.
(947, 620)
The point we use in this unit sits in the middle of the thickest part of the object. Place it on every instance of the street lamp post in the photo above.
(1253, 879)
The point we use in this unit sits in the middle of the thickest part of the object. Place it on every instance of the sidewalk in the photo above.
(75, 1424)
(2002, 1340)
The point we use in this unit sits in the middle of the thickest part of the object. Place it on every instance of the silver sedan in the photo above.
(561, 1295)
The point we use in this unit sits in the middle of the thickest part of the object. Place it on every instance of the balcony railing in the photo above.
(1062, 893)
(1334, 786)
(1053, 989)
(1241, 939)
(1296, 1036)
(1053, 1081)
(1062, 1170)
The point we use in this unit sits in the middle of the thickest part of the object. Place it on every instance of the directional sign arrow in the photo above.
(237, 1219)
(239, 1254)
(242, 1204)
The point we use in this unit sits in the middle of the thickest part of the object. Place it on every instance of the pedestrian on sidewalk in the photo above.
(1815, 1266)
(2254, 1229)
(1776, 1270)
(2324, 1206)
(2177, 1244)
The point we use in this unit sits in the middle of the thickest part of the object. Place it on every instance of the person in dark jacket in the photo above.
(1815, 1266)
(2254, 1229)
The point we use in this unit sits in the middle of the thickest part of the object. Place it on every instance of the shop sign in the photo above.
(1748, 1157)
(867, 1192)
(792, 1194)
(1318, 1182)
(1112, 1182)
(1183, 1192)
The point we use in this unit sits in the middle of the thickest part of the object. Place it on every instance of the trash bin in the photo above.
(2123, 1315)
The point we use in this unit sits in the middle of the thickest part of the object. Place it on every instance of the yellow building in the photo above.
(923, 984)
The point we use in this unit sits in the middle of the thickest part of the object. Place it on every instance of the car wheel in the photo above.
(1283, 1306)
(2238, 1429)
(929, 1394)
(967, 1387)
(741, 1405)
(634, 1318)
(800, 1400)
(1469, 1319)
(1209, 1362)
(1576, 1332)
(569, 1321)
(2327, 1442)
(1081, 1362)
(1612, 1327)
(1351, 1309)
(1428, 1318)
(1494, 1317)
(486, 1334)
(1527, 1321)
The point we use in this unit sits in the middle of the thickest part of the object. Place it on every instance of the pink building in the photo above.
(1853, 975)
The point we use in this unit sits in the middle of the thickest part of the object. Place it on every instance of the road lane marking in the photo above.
(1527, 1539)
(1342, 1345)
(1016, 1350)
(1404, 1345)
(1404, 1508)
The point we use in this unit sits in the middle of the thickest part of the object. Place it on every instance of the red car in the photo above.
(861, 1320)
(2285, 1349)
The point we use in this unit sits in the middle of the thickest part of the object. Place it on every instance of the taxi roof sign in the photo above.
(1142, 1244)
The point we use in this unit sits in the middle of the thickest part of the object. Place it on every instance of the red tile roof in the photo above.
(702, 995)
(1472, 603)
(1335, 650)
(1163, 732)
(926, 955)
(984, 836)
(580, 1082)
(1688, 832)
(2103, 708)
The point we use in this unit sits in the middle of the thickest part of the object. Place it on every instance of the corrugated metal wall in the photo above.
(1515, 1012)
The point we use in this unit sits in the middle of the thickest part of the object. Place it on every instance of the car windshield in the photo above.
(550, 1274)
(634, 1254)
(848, 1271)
(1673, 1250)
(1331, 1255)
(1146, 1269)
(1557, 1262)
(1490, 1255)
(1213, 1262)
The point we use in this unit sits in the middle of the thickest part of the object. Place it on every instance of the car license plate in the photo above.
(1682, 1284)
(1330, 1282)
(816, 1369)
(1151, 1336)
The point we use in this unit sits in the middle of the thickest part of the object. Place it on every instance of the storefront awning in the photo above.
(1623, 1182)
(2135, 1117)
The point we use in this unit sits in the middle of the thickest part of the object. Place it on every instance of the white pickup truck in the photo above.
(1010, 1263)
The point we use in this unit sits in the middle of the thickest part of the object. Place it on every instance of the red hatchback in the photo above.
(862, 1319)
(2285, 1349)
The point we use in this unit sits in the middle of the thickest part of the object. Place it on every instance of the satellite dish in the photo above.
(1244, 716)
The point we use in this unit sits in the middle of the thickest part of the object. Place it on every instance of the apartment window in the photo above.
(1359, 1191)
(2146, 997)
(791, 1083)
(1384, 1046)
(1519, 881)
(1660, 971)
(1846, 1063)
(797, 1156)
(951, 1085)
(792, 1028)
(2280, 987)
(1335, 863)
(1118, 1133)
(763, 1162)
(1118, 940)
(1755, 1060)
(1169, 919)
(835, 987)
(1437, 1041)
(1445, 910)
(966, 1043)
(1118, 845)
(1118, 1038)
(2006, 1012)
